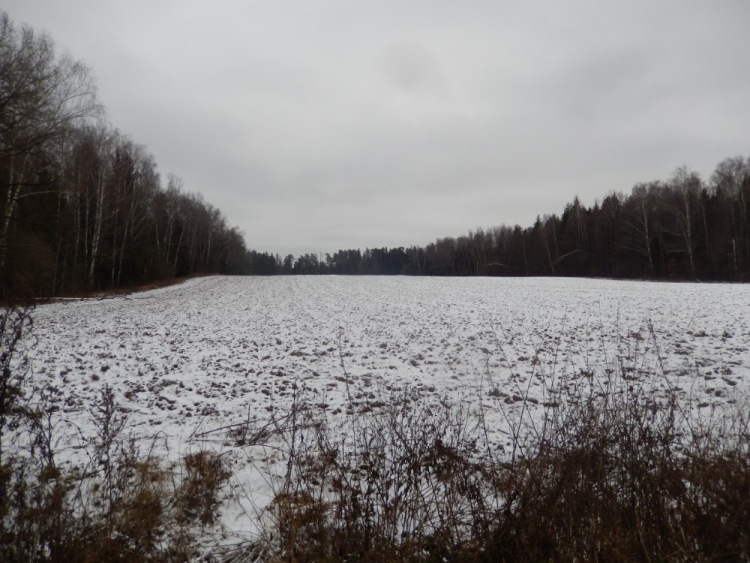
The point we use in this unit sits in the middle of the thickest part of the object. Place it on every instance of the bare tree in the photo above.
(42, 95)
(731, 183)
(92, 171)
(682, 205)
(640, 221)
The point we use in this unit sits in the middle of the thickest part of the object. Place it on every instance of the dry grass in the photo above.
(198, 494)
(612, 472)
(125, 504)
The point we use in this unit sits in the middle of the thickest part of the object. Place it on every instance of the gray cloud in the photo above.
(321, 125)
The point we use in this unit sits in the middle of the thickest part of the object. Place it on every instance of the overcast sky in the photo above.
(316, 125)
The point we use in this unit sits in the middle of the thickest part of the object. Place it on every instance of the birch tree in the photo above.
(682, 205)
(42, 95)
(640, 222)
(731, 182)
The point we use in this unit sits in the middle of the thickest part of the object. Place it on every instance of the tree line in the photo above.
(82, 206)
(683, 228)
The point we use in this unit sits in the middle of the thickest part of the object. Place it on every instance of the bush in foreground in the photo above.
(122, 504)
(608, 470)
(611, 471)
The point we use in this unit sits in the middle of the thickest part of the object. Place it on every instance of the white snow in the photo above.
(215, 351)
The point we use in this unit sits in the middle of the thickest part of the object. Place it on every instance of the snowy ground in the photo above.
(187, 359)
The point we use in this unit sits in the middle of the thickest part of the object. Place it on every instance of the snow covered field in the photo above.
(211, 352)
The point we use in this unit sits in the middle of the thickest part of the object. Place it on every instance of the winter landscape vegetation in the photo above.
(575, 389)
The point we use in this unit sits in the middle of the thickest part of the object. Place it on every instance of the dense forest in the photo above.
(82, 206)
(682, 228)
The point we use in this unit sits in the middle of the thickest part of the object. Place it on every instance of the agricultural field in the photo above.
(192, 365)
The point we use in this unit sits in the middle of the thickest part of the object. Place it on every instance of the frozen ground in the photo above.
(188, 359)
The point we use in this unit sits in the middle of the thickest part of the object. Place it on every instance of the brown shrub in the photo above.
(198, 495)
(613, 473)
